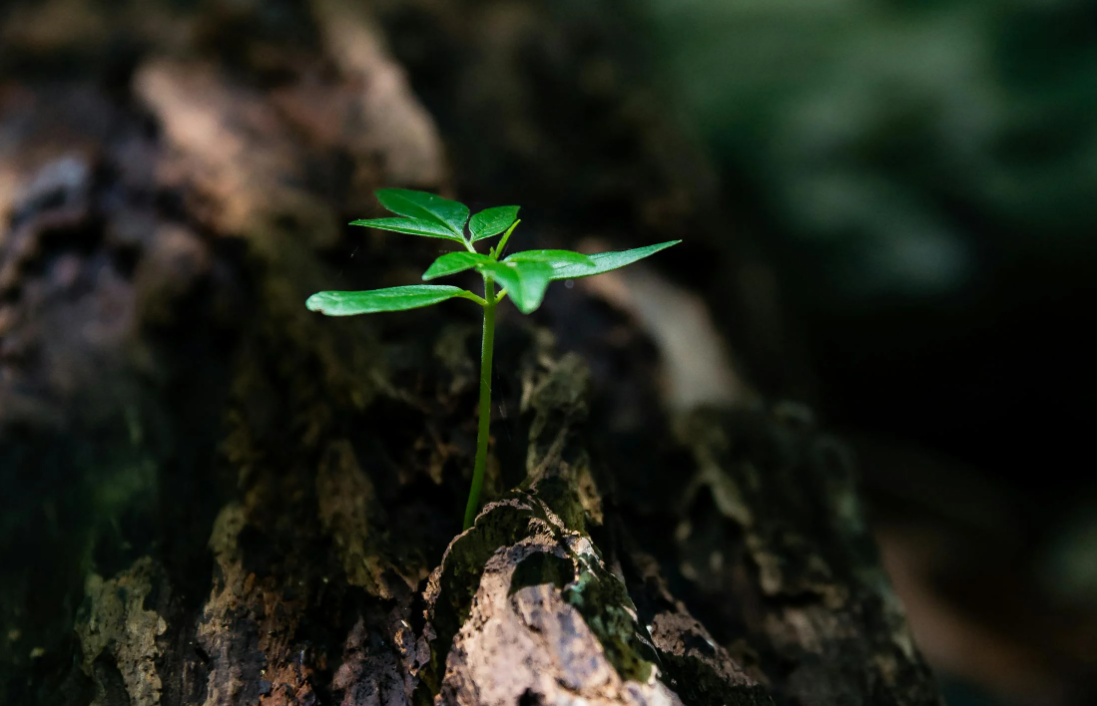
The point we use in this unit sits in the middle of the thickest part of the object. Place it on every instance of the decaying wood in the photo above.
(217, 497)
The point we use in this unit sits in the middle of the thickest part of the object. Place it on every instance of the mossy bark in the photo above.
(213, 496)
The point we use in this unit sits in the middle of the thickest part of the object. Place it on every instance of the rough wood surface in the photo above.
(215, 497)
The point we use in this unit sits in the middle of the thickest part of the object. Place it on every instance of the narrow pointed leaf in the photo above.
(426, 206)
(607, 261)
(412, 226)
(492, 221)
(454, 262)
(377, 300)
(556, 258)
(525, 282)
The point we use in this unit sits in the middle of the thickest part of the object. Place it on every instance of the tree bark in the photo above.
(215, 497)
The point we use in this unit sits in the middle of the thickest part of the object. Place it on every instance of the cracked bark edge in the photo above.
(523, 607)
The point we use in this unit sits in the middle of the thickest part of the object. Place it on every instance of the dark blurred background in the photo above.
(920, 180)
(922, 176)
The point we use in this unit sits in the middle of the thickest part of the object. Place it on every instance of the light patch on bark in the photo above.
(116, 622)
(531, 643)
(232, 147)
(388, 120)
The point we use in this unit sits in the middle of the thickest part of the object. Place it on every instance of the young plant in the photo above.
(521, 276)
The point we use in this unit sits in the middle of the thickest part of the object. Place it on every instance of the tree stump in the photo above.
(213, 496)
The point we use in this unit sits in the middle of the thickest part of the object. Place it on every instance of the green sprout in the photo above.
(522, 276)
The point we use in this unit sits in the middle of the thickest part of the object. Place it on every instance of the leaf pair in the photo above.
(525, 282)
(523, 276)
(433, 216)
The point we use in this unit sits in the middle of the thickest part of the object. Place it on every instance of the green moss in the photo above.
(607, 609)
(541, 568)
(560, 496)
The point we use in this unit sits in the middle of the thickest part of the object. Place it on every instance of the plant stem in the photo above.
(485, 403)
(503, 241)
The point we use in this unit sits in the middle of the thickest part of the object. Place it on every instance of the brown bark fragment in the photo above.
(118, 635)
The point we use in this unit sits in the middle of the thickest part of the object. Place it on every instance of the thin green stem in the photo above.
(485, 403)
(472, 297)
(503, 241)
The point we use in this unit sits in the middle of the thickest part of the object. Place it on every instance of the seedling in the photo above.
(522, 276)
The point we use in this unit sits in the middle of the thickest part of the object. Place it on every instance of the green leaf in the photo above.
(607, 261)
(375, 300)
(556, 258)
(492, 221)
(454, 262)
(525, 281)
(413, 226)
(425, 206)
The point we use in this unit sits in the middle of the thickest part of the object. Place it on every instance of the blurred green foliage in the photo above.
(893, 137)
